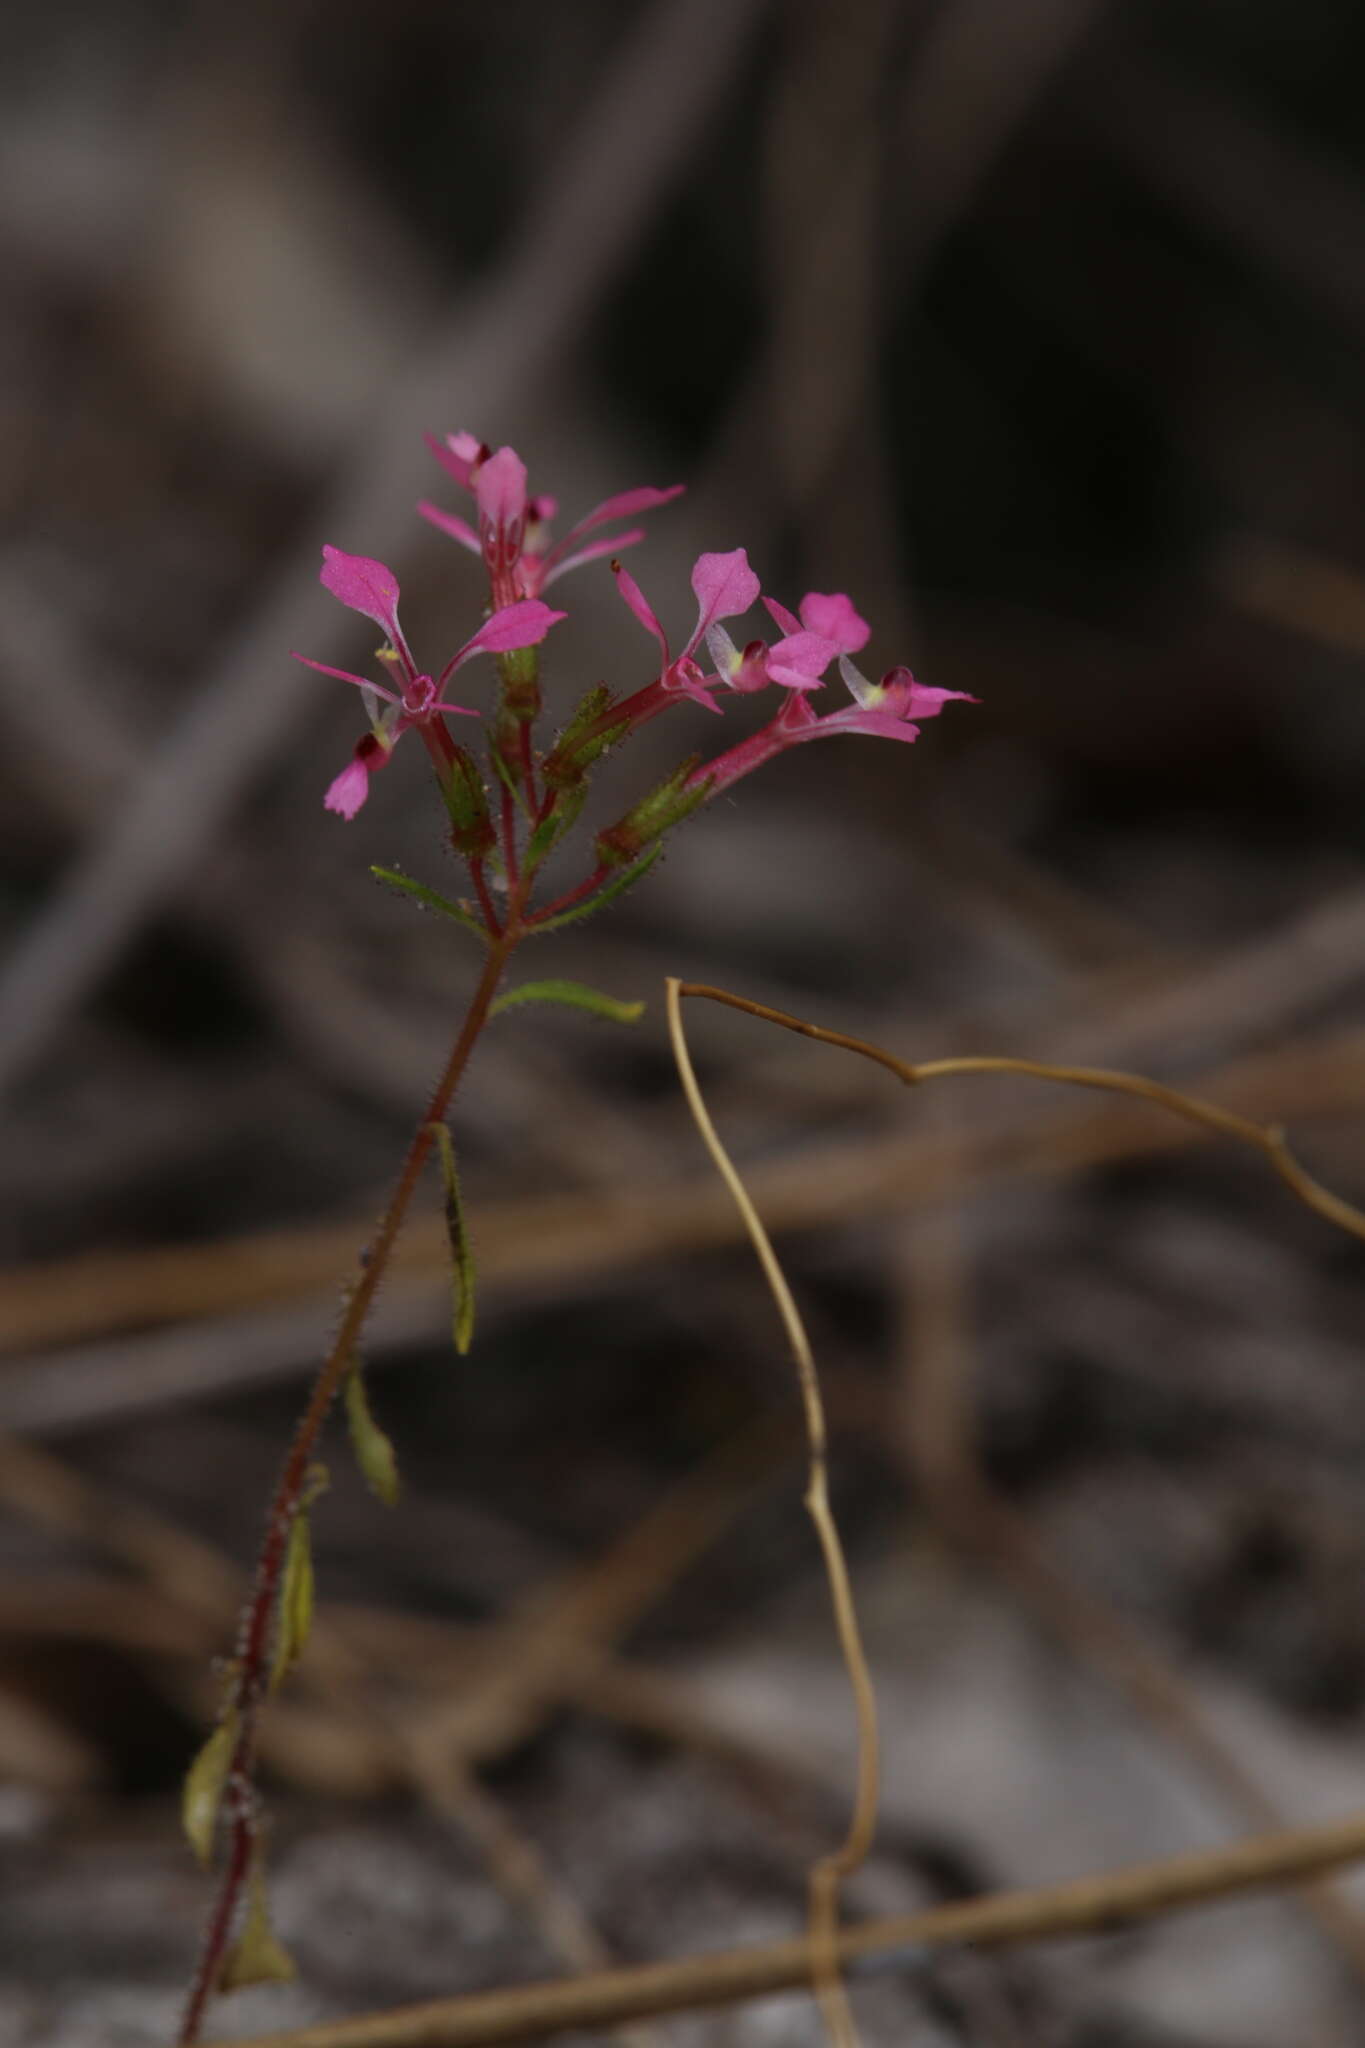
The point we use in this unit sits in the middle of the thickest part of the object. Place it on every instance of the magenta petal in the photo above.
(365, 586)
(609, 544)
(835, 618)
(800, 661)
(640, 605)
(624, 506)
(458, 529)
(344, 675)
(500, 488)
(724, 585)
(788, 621)
(516, 625)
(458, 455)
(348, 792)
(880, 725)
(927, 702)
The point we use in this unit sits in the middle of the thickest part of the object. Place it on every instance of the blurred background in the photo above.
(1033, 324)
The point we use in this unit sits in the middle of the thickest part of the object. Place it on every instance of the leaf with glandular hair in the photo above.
(617, 886)
(294, 1613)
(258, 1956)
(205, 1782)
(461, 1251)
(429, 899)
(574, 995)
(374, 1451)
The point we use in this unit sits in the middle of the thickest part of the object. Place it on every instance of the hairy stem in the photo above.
(252, 1668)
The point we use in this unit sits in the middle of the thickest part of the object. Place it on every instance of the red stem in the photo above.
(509, 836)
(254, 1639)
(572, 896)
(528, 768)
(486, 904)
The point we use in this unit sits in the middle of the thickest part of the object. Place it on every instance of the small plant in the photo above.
(507, 808)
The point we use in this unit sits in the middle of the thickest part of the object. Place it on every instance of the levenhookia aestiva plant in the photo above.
(507, 807)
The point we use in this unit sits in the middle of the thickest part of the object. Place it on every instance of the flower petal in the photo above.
(458, 529)
(640, 605)
(348, 792)
(608, 544)
(459, 455)
(788, 621)
(364, 586)
(522, 624)
(623, 506)
(724, 586)
(500, 488)
(344, 675)
(835, 618)
(799, 662)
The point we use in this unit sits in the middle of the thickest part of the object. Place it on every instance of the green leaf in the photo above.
(429, 899)
(374, 1451)
(609, 891)
(257, 1956)
(205, 1782)
(461, 1251)
(294, 1613)
(574, 996)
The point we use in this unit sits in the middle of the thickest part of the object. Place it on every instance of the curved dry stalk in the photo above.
(826, 1875)
(1267, 1139)
(1085, 1905)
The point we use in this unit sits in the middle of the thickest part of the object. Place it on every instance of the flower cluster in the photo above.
(512, 537)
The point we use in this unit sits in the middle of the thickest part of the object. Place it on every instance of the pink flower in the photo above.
(827, 626)
(370, 588)
(886, 710)
(724, 586)
(514, 530)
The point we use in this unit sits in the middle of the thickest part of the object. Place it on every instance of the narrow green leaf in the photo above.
(294, 1613)
(609, 891)
(461, 1251)
(575, 997)
(257, 1956)
(205, 1783)
(374, 1451)
(429, 899)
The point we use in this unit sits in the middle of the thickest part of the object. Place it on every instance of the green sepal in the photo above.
(461, 1251)
(579, 745)
(574, 995)
(608, 893)
(664, 807)
(205, 1783)
(653, 816)
(257, 1956)
(429, 899)
(374, 1452)
(519, 671)
(472, 833)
